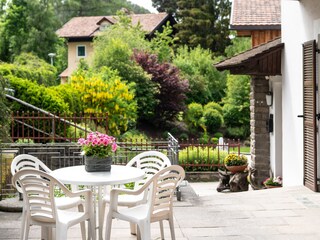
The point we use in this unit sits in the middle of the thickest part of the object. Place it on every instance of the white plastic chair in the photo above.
(26, 161)
(160, 188)
(40, 205)
(150, 162)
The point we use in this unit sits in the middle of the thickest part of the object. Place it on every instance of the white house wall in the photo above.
(276, 134)
(298, 26)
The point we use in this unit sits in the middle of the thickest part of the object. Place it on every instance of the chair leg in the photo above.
(138, 233)
(173, 237)
(145, 231)
(27, 228)
(92, 229)
(101, 217)
(23, 225)
(161, 229)
(108, 226)
(49, 233)
(82, 224)
(61, 231)
(133, 228)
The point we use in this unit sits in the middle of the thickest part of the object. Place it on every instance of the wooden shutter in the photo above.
(309, 113)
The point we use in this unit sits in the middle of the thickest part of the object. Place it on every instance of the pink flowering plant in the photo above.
(271, 181)
(98, 144)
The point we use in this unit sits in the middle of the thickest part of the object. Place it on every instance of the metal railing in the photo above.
(57, 155)
(42, 126)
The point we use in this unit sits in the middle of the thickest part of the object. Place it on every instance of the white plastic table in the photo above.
(77, 175)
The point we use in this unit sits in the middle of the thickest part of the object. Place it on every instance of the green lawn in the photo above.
(244, 149)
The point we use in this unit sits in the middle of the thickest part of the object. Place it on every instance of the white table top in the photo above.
(79, 176)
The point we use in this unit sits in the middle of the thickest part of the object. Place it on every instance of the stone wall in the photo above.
(260, 137)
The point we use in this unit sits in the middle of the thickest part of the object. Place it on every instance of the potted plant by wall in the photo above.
(235, 163)
(272, 182)
(97, 149)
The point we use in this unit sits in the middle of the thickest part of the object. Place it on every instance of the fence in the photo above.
(191, 155)
(43, 127)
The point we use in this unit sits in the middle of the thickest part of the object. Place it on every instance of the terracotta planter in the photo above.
(235, 169)
(271, 186)
(96, 164)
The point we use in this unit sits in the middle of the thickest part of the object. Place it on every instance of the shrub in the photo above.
(215, 140)
(213, 105)
(171, 90)
(201, 155)
(213, 119)
(75, 133)
(4, 113)
(37, 95)
(105, 92)
(206, 82)
(70, 96)
(133, 135)
(238, 132)
(193, 116)
(218, 135)
(28, 65)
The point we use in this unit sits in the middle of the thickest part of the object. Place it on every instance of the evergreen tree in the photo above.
(28, 26)
(204, 23)
(67, 9)
(169, 6)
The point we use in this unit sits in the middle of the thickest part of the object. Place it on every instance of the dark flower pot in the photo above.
(97, 164)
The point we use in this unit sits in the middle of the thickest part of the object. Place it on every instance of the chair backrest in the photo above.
(38, 193)
(26, 161)
(163, 185)
(150, 162)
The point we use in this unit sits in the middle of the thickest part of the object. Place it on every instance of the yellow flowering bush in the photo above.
(104, 92)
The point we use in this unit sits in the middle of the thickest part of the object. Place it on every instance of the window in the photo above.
(81, 51)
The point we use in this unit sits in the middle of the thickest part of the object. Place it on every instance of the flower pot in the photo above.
(235, 169)
(97, 164)
(271, 186)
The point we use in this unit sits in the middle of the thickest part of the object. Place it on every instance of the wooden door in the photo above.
(309, 115)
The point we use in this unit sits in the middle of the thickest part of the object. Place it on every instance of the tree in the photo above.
(236, 109)
(206, 83)
(67, 9)
(171, 89)
(238, 45)
(204, 23)
(169, 6)
(28, 26)
(162, 43)
(114, 48)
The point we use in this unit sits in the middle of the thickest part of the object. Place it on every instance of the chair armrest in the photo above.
(115, 192)
(79, 193)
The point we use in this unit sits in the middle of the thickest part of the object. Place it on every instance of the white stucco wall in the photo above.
(292, 131)
(276, 135)
(298, 26)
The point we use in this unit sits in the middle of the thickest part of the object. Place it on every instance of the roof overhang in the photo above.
(263, 60)
(255, 27)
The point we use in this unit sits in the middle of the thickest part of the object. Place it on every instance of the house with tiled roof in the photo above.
(80, 31)
(258, 19)
(285, 130)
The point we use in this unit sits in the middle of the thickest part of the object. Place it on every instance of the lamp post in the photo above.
(51, 55)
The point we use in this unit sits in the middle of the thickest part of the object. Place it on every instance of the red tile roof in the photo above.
(256, 14)
(79, 27)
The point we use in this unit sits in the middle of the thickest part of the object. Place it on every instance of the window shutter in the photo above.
(309, 113)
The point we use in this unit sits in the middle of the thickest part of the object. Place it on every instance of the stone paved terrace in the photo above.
(291, 213)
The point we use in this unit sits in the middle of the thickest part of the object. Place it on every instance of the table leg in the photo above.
(99, 209)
